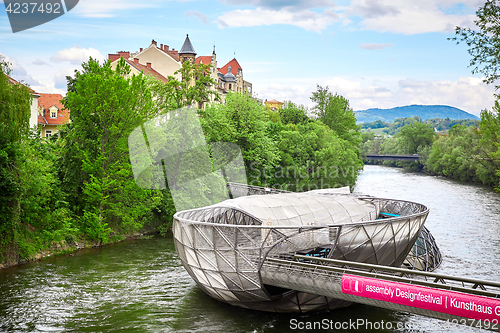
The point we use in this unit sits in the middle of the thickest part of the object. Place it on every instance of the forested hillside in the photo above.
(424, 112)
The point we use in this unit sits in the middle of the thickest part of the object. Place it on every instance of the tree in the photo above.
(293, 114)
(192, 89)
(15, 102)
(242, 120)
(490, 137)
(416, 136)
(95, 168)
(484, 45)
(335, 112)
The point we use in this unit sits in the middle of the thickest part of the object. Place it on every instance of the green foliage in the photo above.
(484, 45)
(312, 157)
(490, 140)
(293, 114)
(375, 124)
(335, 112)
(242, 121)
(15, 101)
(193, 87)
(95, 168)
(416, 137)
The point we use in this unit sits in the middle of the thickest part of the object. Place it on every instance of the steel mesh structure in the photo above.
(224, 246)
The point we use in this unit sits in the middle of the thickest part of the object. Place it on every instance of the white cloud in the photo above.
(108, 8)
(412, 17)
(278, 4)
(77, 55)
(39, 62)
(375, 46)
(18, 72)
(306, 19)
(203, 18)
(60, 81)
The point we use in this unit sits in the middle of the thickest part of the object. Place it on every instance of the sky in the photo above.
(375, 53)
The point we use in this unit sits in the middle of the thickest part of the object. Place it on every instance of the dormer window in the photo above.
(53, 114)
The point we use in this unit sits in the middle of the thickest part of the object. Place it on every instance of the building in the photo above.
(51, 114)
(273, 104)
(162, 62)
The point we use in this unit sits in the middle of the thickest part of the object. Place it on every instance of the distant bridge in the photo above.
(373, 157)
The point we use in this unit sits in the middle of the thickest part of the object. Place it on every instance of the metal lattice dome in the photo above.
(224, 246)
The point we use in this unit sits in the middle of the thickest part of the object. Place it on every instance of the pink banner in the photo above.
(443, 301)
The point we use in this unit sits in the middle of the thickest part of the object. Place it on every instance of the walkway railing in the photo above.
(457, 299)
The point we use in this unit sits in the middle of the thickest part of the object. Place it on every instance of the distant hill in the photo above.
(423, 111)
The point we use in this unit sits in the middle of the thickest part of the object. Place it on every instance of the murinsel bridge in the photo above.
(297, 252)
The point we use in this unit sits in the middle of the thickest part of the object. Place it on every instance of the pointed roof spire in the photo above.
(187, 47)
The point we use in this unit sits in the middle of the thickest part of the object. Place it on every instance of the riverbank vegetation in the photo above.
(77, 189)
(467, 153)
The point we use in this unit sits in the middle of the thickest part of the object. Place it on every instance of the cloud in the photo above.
(375, 46)
(77, 55)
(374, 8)
(18, 72)
(306, 19)
(39, 62)
(203, 18)
(412, 17)
(108, 8)
(279, 4)
(60, 81)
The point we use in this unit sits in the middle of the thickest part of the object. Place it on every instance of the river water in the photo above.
(140, 285)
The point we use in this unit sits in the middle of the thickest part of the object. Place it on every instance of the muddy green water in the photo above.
(140, 286)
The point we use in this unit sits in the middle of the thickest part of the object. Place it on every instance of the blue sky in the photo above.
(376, 53)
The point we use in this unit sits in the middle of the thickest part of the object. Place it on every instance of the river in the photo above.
(140, 285)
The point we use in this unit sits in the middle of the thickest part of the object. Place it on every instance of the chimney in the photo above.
(161, 46)
(140, 49)
(148, 64)
(136, 60)
(166, 48)
(113, 57)
(154, 42)
(124, 54)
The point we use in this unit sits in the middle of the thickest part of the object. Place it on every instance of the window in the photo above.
(53, 114)
(230, 86)
(48, 133)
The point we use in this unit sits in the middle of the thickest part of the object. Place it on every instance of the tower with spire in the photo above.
(187, 51)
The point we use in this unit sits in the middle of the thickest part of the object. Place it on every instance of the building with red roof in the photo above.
(51, 114)
(161, 62)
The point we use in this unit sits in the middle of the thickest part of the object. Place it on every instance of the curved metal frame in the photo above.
(225, 258)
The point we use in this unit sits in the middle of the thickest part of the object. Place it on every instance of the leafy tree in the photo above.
(416, 137)
(484, 45)
(242, 120)
(192, 89)
(15, 101)
(312, 156)
(293, 114)
(335, 112)
(490, 138)
(95, 168)
(459, 155)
